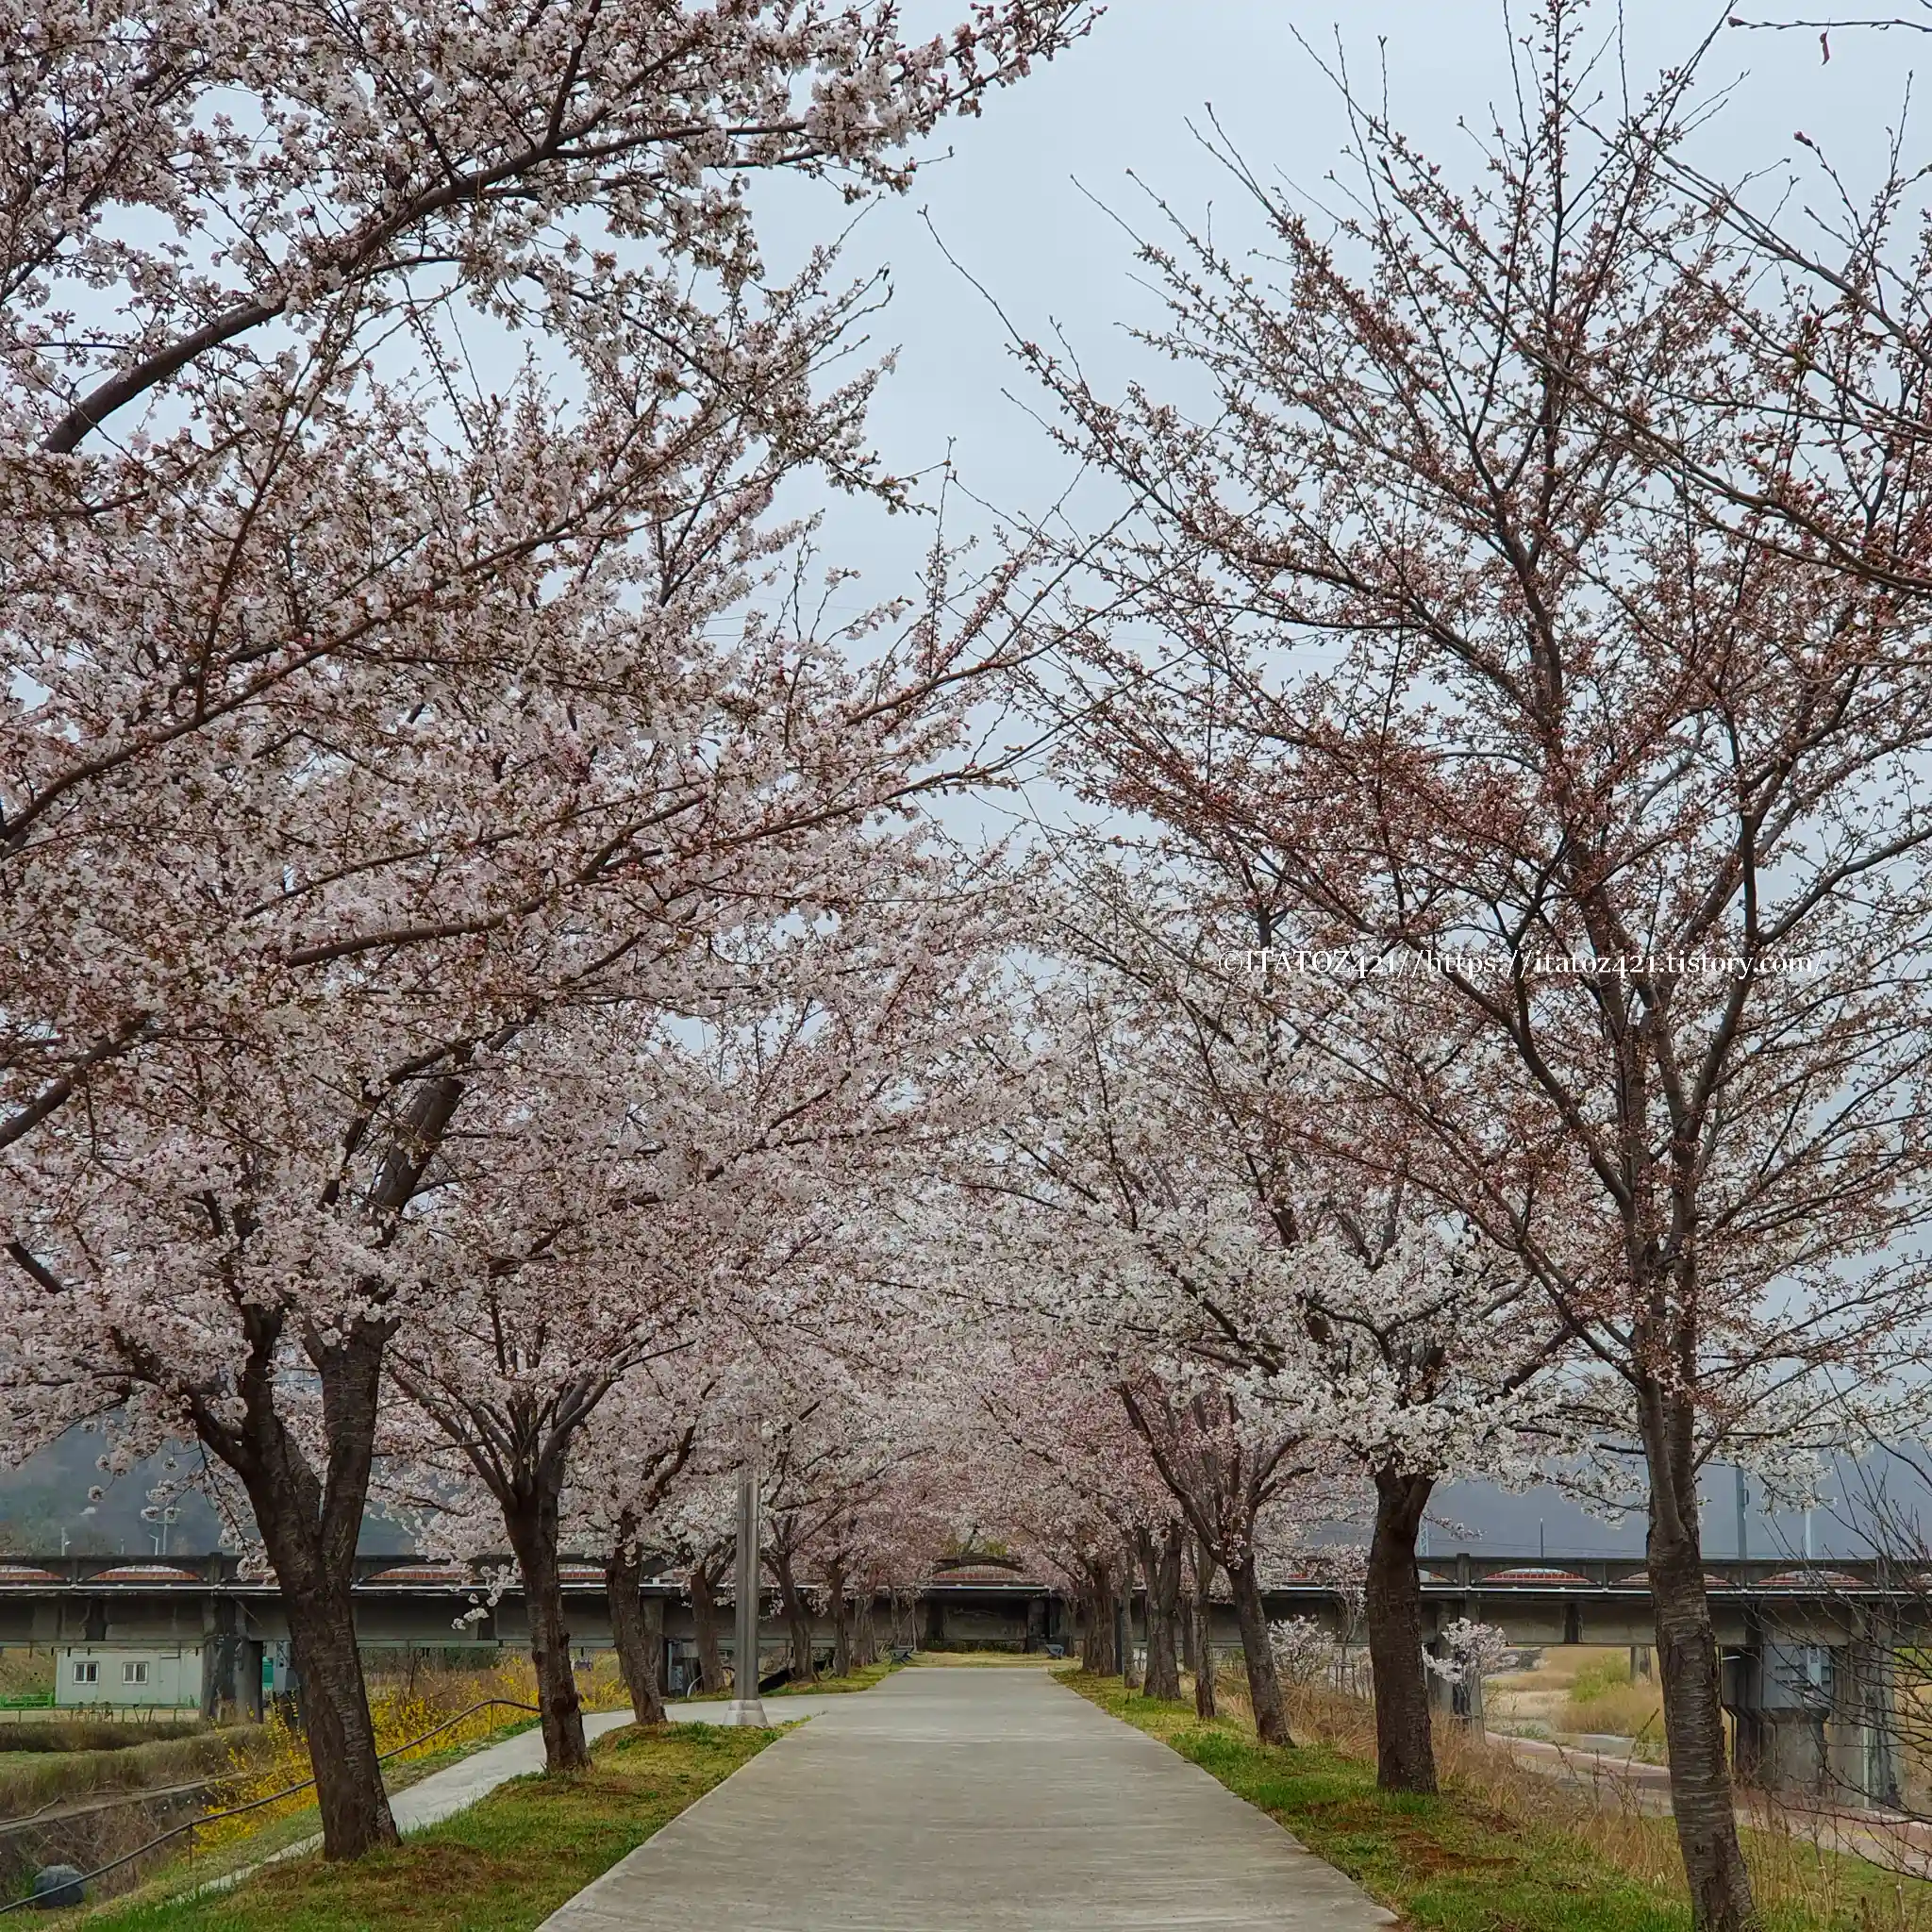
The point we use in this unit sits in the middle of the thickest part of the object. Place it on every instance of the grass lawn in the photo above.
(862, 1679)
(504, 1865)
(950, 1659)
(1457, 1863)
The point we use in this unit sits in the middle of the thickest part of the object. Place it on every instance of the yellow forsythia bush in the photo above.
(405, 1704)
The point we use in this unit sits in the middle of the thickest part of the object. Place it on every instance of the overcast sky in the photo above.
(1015, 200)
(1015, 206)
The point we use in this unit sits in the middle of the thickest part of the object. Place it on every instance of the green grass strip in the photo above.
(504, 1865)
(1461, 1862)
(1441, 1863)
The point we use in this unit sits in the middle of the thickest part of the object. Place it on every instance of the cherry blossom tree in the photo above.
(416, 679)
(658, 1178)
(258, 499)
(1060, 1473)
(638, 1635)
(1607, 818)
(1276, 1313)
(825, 1464)
(262, 1196)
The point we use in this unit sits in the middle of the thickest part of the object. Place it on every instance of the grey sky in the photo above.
(1012, 201)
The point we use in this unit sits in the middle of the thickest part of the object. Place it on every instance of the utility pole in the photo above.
(746, 1707)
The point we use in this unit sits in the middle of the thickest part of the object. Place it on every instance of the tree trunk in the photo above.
(1264, 1685)
(309, 1527)
(654, 1639)
(531, 1518)
(1123, 1621)
(797, 1620)
(638, 1650)
(1101, 1596)
(310, 1523)
(335, 1714)
(1203, 1630)
(1702, 1802)
(1405, 1747)
(1184, 1623)
(841, 1625)
(703, 1622)
(1160, 1565)
(866, 1643)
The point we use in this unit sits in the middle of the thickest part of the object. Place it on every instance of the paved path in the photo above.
(457, 1786)
(960, 1801)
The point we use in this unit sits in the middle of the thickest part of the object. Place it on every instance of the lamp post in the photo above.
(746, 1707)
(159, 1510)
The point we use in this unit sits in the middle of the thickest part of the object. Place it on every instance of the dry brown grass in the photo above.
(1621, 1710)
(1801, 1865)
(26, 1670)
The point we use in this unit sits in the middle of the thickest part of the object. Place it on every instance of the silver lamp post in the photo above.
(746, 1707)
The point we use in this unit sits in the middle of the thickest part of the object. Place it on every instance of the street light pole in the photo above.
(746, 1707)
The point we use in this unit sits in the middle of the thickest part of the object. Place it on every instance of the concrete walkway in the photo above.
(960, 1801)
(457, 1786)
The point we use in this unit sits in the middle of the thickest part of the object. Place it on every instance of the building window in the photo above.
(134, 1674)
(86, 1670)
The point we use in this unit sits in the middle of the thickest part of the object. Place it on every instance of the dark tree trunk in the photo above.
(1405, 1747)
(310, 1523)
(1160, 1567)
(531, 1518)
(865, 1642)
(639, 1648)
(841, 1625)
(1103, 1602)
(1203, 1630)
(335, 1714)
(309, 1527)
(654, 1640)
(798, 1619)
(1184, 1621)
(1702, 1802)
(1264, 1685)
(1123, 1616)
(703, 1622)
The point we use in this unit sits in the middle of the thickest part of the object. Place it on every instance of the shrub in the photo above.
(1600, 1674)
(403, 1705)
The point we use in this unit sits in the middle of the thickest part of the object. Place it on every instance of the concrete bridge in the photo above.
(1809, 1650)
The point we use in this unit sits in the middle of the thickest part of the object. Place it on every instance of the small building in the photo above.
(131, 1677)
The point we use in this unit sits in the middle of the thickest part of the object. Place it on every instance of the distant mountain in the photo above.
(47, 1499)
(44, 1507)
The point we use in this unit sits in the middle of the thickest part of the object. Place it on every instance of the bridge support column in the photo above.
(1740, 1681)
(1035, 1623)
(1461, 1697)
(1818, 1718)
(1861, 1734)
